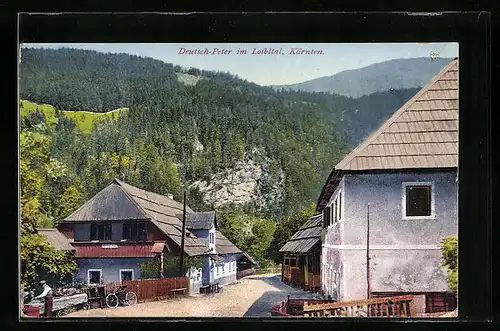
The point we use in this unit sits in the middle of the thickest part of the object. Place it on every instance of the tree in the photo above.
(72, 198)
(260, 241)
(40, 261)
(449, 251)
(38, 258)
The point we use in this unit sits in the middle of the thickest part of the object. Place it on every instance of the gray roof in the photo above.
(56, 239)
(306, 238)
(121, 201)
(224, 246)
(199, 220)
(112, 203)
(249, 258)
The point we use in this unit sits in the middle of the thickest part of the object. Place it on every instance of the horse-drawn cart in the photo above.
(63, 304)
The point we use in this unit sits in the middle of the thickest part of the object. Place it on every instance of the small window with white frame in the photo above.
(94, 276)
(126, 274)
(418, 200)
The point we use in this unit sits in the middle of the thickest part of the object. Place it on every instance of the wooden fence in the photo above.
(153, 289)
(276, 270)
(293, 276)
(400, 306)
(313, 282)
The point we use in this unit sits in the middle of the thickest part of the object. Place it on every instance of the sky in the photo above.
(273, 69)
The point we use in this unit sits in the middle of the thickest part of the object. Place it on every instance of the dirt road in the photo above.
(253, 296)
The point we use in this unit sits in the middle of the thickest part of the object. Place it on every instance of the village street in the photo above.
(253, 296)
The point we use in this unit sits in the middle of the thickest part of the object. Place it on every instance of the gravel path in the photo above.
(253, 296)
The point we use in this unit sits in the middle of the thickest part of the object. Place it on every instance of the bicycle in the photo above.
(121, 296)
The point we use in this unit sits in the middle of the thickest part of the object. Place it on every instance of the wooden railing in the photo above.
(399, 306)
(152, 289)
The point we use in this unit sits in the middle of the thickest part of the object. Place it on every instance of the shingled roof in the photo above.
(121, 201)
(422, 134)
(224, 246)
(306, 238)
(56, 239)
(199, 220)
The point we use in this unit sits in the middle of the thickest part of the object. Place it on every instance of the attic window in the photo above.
(100, 231)
(418, 200)
(134, 231)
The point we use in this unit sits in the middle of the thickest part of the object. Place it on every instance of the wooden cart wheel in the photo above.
(111, 300)
(130, 298)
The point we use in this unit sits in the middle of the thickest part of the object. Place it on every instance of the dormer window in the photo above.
(100, 231)
(134, 231)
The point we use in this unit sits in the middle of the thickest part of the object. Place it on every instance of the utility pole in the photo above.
(368, 272)
(181, 267)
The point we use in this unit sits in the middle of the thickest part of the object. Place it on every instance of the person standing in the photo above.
(47, 294)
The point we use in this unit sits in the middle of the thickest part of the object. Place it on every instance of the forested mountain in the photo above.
(378, 77)
(264, 153)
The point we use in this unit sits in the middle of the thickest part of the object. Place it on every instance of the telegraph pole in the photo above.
(181, 270)
(368, 272)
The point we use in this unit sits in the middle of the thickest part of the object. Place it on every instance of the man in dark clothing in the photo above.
(47, 294)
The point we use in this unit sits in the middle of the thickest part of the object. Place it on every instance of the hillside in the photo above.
(378, 77)
(85, 121)
(220, 136)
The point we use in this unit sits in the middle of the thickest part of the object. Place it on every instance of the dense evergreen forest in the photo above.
(174, 134)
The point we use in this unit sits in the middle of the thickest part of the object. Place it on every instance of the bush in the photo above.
(449, 251)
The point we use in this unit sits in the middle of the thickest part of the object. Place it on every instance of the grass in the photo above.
(49, 111)
(85, 121)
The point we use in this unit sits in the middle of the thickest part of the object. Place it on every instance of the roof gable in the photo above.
(112, 203)
(423, 133)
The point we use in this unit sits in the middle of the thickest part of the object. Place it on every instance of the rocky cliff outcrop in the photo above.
(253, 180)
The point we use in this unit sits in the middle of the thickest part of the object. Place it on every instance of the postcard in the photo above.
(312, 180)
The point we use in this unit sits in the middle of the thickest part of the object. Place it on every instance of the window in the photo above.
(135, 231)
(335, 207)
(418, 200)
(340, 205)
(332, 213)
(94, 276)
(100, 231)
(126, 274)
(211, 238)
(327, 216)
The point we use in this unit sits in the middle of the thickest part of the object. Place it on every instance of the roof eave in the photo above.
(335, 175)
